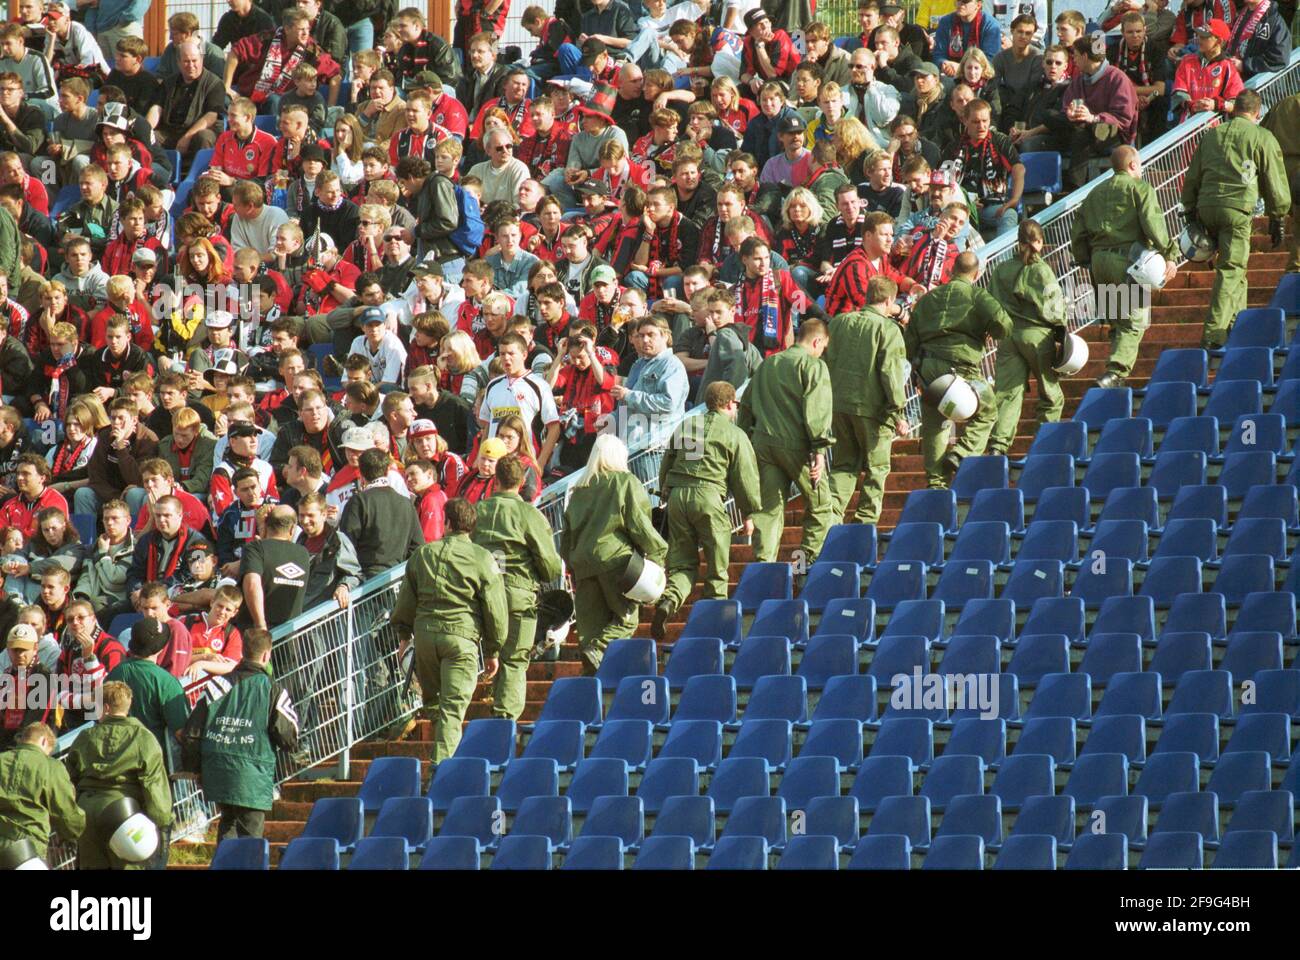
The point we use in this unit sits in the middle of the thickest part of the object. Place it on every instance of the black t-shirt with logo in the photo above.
(283, 567)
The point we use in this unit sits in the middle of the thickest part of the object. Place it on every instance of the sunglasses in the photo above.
(504, 148)
(394, 237)
(368, 223)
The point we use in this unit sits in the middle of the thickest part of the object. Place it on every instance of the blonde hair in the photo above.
(608, 455)
(378, 213)
(980, 57)
(809, 198)
(851, 140)
(461, 347)
(94, 407)
(64, 331)
(117, 697)
(726, 83)
(120, 287)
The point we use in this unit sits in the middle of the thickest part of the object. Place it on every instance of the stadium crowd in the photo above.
(286, 303)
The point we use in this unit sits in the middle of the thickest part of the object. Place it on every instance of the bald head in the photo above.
(630, 80)
(1125, 159)
(967, 265)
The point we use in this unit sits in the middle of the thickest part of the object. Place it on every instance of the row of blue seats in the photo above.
(1268, 364)
(1165, 400)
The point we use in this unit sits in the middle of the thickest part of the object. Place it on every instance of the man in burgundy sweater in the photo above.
(1101, 102)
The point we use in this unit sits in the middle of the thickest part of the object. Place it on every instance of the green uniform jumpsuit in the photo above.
(451, 600)
(787, 411)
(869, 371)
(1116, 214)
(607, 519)
(947, 333)
(1033, 298)
(707, 457)
(1283, 121)
(117, 757)
(1232, 164)
(35, 795)
(523, 545)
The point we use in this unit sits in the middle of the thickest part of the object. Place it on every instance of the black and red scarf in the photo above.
(60, 389)
(665, 249)
(796, 247)
(985, 169)
(151, 557)
(65, 458)
(1243, 29)
(1134, 63)
(926, 260)
(958, 39)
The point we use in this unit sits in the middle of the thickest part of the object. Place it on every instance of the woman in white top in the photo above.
(349, 141)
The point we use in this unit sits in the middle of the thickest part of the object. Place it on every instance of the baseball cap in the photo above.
(312, 151)
(889, 9)
(425, 78)
(421, 428)
(242, 430)
(22, 636)
(493, 448)
(219, 320)
(144, 255)
(1215, 28)
(755, 17)
(927, 68)
(592, 49)
(597, 187)
(358, 438)
(429, 268)
(940, 178)
(792, 124)
(228, 367)
(148, 636)
(604, 274)
(372, 315)
(198, 549)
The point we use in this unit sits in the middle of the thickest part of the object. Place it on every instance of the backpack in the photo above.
(468, 235)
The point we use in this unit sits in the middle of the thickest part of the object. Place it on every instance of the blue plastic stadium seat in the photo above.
(895, 655)
(598, 777)
(492, 738)
(1126, 615)
(1201, 612)
(451, 853)
(847, 697)
(756, 817)
(1189, 538)
(1276, 691)
(833, 816)
(1279, 501)
(1006, 691)
(810, 852)
(779, 698)
(763, 581)
(1023, 775)
(1122, 733)
(1192, 365)
(479, 818)
(810, 776)
(929, 506)
(621, 817)
(663, 853)
(915, 542)
(1203, 691)
(1268, 611)
(1243, 574)
(769, 740)
(1128, 435)
(1258, 431)
(410, 818)
(979, 473)
(627, 740)
(600, 853)
(1193, 812)
(626, 658)
(909, 737)
(1095, 583)
(1165, 402)
(1249, 652)
(1247, 850)
(1191, 434)
(1029, 851)
(1167, 773)
(1063, 503)
(850, 543)
(459, 777)
(982, 540)
(1047, 815)
(1247, 363)
(687, 816)
(1246, 469)
(1196, 733)
(550, 817)
(1263, 731)
(1265, 810)
(707, 697)
(886, 851)
(1109, 654)
(1034, 580)
(893, 583)
(669, 777)
(782, 618)
(1287, 295)
(692, 657)
(699, 741)
(955, 852)
(1259, 535)
(1062, 695)
(1167, 577)
(879, 777)
(1200, 501)
(922, 618)
(1042, 173)
(1050, 540)
(909, 816)
(1064, 615)
(1287, 399)
(310, 853)
(963, 581)
(242, 853)
(1054, 736)
(1001, 506)
(1116, 539)
(1181, 653)
(1069, 437)
(202, 160)
(1097, 775)
(953, 775)
(986, 739)
(340, 818)
(971, 654)
(1045, 471)
(380, 853)
(534, 777)
(829, 580)
(737, 778)
(1125, 815)
(640, 698)
(573, 698)
(854, 616)
(519, 851)
(389, 777)
(1175, 469)
(1173, 851)
(828, 656)
(1229, 399)
(85, 524)
(1100, 405)
(1260, 327)
(739, 853)
(721, 618)
(987, 618)
(1132, 503)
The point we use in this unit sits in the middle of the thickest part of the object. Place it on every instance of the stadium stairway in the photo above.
(1176, 323)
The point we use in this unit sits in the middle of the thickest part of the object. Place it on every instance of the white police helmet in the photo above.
(1148, 268)
(131, 834)
(953, 396)
(1071, 354)
(1195, 243)
(643, 580)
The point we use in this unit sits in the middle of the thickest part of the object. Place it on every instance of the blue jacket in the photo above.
(657, 391)
(115, 13)
(990, 37)
(1269, 49)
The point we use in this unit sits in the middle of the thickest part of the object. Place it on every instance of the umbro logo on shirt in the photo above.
(289, 575)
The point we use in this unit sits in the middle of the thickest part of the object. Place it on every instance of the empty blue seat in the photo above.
(1043, 472)
(342, 819)
(986, 739)
(1259, 327)
(1191, 435)
(1126, 615)
(982, 540)
(1004, 693)
(854, 616)
(828, 656)
(1054, 736)
(1118, 733)
(668, 777)
(1287, 399)
(1278, 501)
(550, 817)
(1029, 851)
(1129, 435)
(1062, 695)
(492, 738)
(739, 853)
(886, 851)
(1246, 363)
(1247, 850)
(1192, 365)
(987, 618)
(519, 851)
(1196, 733)
(1069, 437)
(574, 698)
(1023, 775)
(1119, 814)
(963, 581)
(1132, 503)
(640, 698)
(459, 777)
(1258, 431)
(451, 853)
(1276, 691)
(1100, 405)
(627, 658)
(769, 740)
(1203, 691)
(922, 618)
(955, 852)
(850, 543)
(686, 816)
(707, 697)
(1098, 851)
(1050, 540)
(1095, 582)
(1203, 612)
(560, 740)
(1097, 775)
(601, 853)
(621, 817)
(909, 816)
(1116, 539)
(833, 817)
(1174, 469)
(242, 853)
(810, 852)
(1167, 577)
(916, 542)
(1037, 655)
(893, 583)
(1265, 810)
(736, 778)
(849, 697)
(1189, 538)
(534, 777)
(1166, 773)
(1200, 501)
(979, 473)
(627, 740)
(763, 581)
(1239, 773)
(1287, 295)
(1192, 812)
(910, 737)
(1258, 535)
(1064, 615)
(930, 506)
(1272, 611)
(479, 818)
(895, 655)
(1002, 506)
(1108, 654)
(1166, 402)
(971, 655)
(310, 853)
(1243, 574)
(1245, 469)
(85, 524)
(880, 777)
(697, 740)
(829, 580)
(1249, 652)
(1046, 816)
(756, 817)
(840, 739)
(1063, 503)
(1112, 471)
(598, 777)
(1173, 851)
(721, 618)
(410, 818)
(952, 775)
(389, 777)
(1263, 731)
(1180, 653)
(693, 657)
(782, 618)
(1229, 399)
(1131, 693)
(779, 698)
(810, 776)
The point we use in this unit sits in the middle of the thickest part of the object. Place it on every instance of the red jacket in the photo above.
(780, 51)
(116, 259)
(450, 114)
(847, 291)
(749, 310)
(141, 326)
(1217, 80)
(249, 160)
(544, 152)
(17, 512)
(429, 505)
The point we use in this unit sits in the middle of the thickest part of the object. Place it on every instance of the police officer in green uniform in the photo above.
(607, 520)
(869, 374)
(1027, 289)
(451, 600)
(35, 792)
(1232, 164)
(523, 546)
(787, 412)
(1117, 214)
(117, 757)
(947, 334)
(1283, 121)
(707, 457)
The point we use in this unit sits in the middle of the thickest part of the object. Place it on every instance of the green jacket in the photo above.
(868, 366)
(452, 587)
(120, 755)
(711, 451)
(1283, 121)
(1119, 212)
(158, 700)
(10, 249)
(824, 187)
(606, 520)
(35, 795)
(951, 323)
(1030, 294)
(232, 735)
(519, 535)
(788, 402)
(1233, 163)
